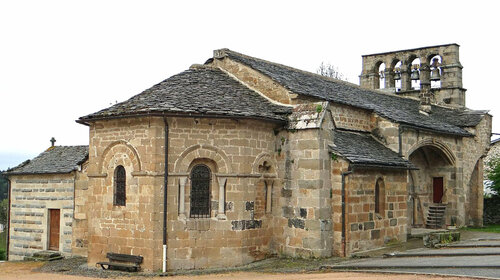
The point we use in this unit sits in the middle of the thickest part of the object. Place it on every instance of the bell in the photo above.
(435, 76)
(415, 75)
(397, 76)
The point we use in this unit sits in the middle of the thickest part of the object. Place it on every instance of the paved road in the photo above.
(479, 256)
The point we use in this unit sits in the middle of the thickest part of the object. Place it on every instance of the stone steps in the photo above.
(44, 256)
(435, 216)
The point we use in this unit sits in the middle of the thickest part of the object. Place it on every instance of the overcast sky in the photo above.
(60, 60)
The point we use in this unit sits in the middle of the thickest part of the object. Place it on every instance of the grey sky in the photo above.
(60, 60)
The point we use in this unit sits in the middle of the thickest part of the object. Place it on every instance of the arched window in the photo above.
(120, 196)
(380, 197)
(200, 192)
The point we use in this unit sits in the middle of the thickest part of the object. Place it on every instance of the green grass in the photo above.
(487, 228)
(3, 240)
(3, 236)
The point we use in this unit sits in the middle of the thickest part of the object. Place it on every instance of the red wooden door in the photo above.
(437, 189)
(54, 229)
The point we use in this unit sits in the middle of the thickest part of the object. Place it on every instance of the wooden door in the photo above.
(54, 229)
(437, 189)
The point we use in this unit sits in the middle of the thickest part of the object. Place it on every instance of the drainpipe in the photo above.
(9, 184)
(344, 174)
(165, 188)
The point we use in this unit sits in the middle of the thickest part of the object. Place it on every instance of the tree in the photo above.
(329, 70)
(493, 173)
(3, 186)
(4, 207)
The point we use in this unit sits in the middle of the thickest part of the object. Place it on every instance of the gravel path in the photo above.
(34, 271)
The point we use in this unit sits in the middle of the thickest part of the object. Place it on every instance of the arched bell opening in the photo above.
(396, 66)
(415, 74)
(379, 77)
(436, 71)
(432, 186)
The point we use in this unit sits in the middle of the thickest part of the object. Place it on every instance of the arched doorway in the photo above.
(432, 201)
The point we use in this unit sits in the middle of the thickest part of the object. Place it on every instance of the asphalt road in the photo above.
(478, 257)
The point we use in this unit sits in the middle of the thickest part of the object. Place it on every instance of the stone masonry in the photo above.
(31, 198)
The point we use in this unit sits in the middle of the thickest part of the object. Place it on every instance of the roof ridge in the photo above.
(330, 79)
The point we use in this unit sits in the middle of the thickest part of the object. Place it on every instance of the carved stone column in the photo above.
(182, 202)
(221, 215)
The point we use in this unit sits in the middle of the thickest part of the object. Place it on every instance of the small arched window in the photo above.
(380, 197)
(120, 196)
(200, 192)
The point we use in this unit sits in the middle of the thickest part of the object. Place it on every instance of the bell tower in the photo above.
(433, 74)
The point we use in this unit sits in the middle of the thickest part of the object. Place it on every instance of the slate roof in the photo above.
(362, 149)
(201, 90)
(308, 115)
(398, 109)
(55, 160)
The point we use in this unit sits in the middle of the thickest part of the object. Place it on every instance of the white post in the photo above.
(164, 258)
(222, 199)
(182, 202)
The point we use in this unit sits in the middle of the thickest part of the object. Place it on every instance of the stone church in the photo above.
(239, 158)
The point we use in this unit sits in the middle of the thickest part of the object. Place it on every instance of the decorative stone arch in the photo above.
(449, 156)
(120, 146)
(264, 164)
(183, 162)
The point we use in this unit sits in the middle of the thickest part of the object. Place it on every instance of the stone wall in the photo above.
(365, 228)
(242, 156)
(136, 144)
(256, 81)
(32, 196)
(305, 214)
(80, 238)
(348, 117)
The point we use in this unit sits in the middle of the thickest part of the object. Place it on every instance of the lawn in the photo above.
(3, 235)
(486, 228)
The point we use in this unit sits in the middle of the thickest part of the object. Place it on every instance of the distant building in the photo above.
(42, 195)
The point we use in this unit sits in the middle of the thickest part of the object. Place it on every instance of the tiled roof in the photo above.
(57, 159)
(362, 149)
(201, 90)
(395, 108)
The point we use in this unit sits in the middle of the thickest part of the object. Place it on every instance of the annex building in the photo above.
(238, 158)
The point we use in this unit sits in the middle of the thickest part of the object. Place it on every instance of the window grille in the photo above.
(120, 186)
(200, 192)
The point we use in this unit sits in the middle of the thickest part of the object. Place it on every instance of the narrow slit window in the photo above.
(200, 192)
(120, 196)
(380, 197)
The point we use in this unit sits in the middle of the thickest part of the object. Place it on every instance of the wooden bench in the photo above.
(122, 262)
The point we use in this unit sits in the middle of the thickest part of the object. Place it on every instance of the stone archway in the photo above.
(433, 183)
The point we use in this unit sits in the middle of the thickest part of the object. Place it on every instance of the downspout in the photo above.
(165, 188)
(344, 174)
(8, 218)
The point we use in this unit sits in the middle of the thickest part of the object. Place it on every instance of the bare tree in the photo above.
(329, 70)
